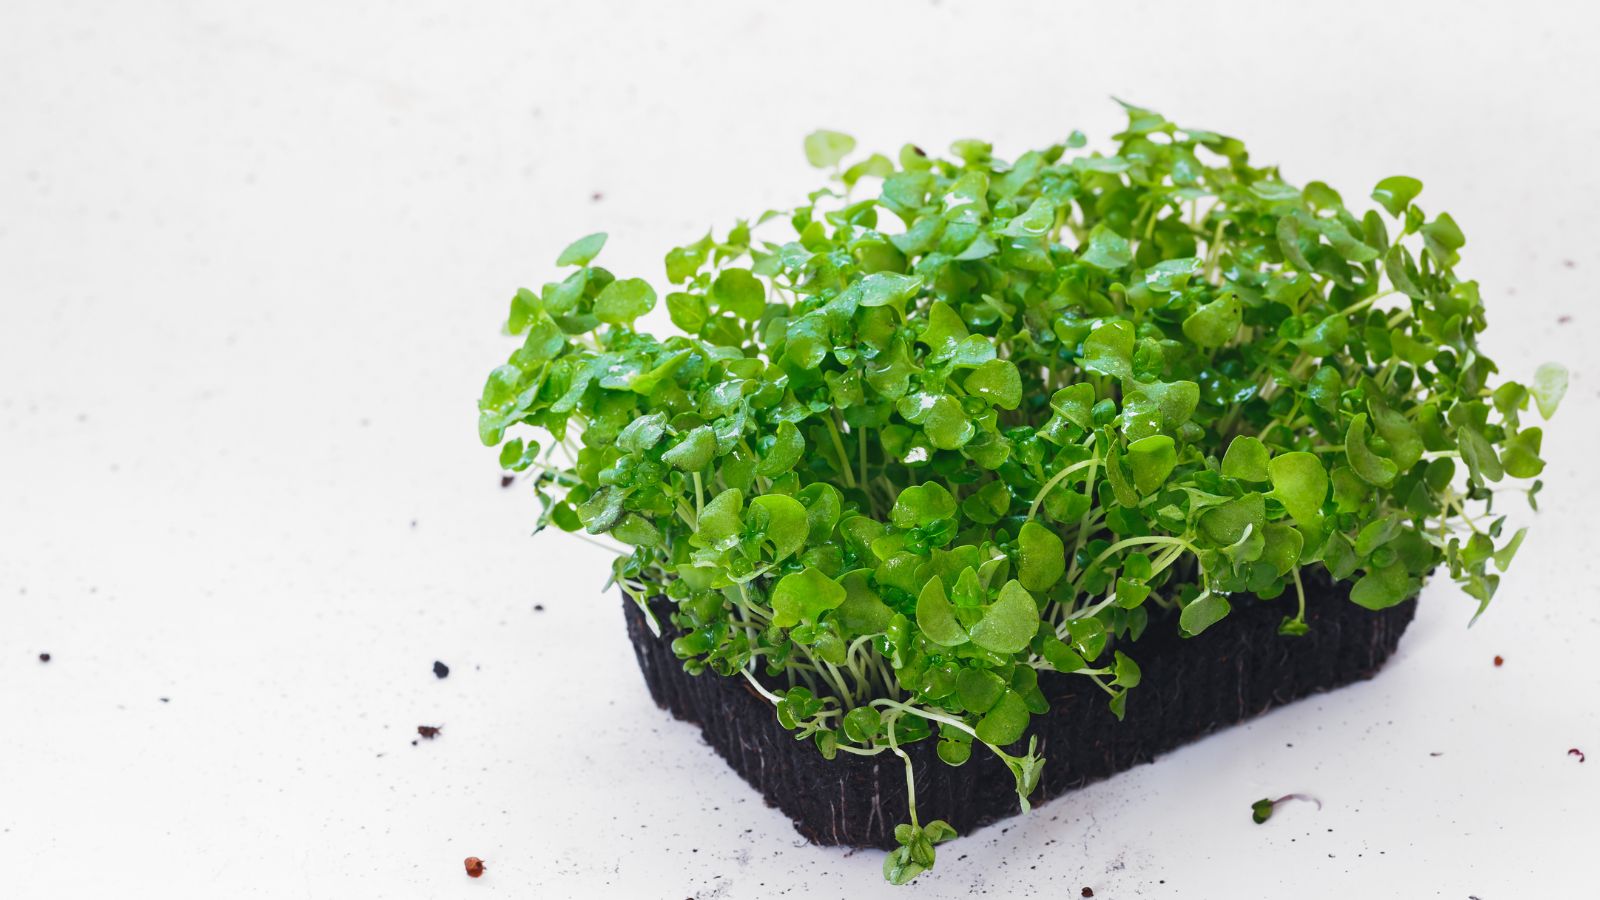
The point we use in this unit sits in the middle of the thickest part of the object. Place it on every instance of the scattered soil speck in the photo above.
(429, 731)
(1562, 320)
(1569, 264)
(165, 699)
(507, 480)
(440, 670)
(1499, 661)
(1087, 892)
(1576, 752)
(538, 607)
(474, 867)
(44, 657)
(596, 197)
(1435, 754)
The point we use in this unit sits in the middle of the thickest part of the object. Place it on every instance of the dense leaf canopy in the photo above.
(987, 418)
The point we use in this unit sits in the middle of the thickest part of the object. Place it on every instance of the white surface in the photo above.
(252, 266)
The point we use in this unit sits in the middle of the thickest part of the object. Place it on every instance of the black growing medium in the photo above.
(1191, 687)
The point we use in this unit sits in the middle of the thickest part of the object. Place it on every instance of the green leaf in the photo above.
(1109, 349)
(1372, 468)
(1008, 625)
(1152, 459)
(885, 289)
(1126, 671)
(721, 521)
(1247, 459)
(803, 596)
(624, 300)
(1074, 403)
(688, 311)
(1006, 722)
(1204, 611)
(784, 520)
(1157, 407)
(1301, 484)
(582, 251)
(937, 618)
(1396, 192)
(998, 382)
(1549, 386)
(693, 451)
(947, 424)
(1215, 323)
(825, 148)
(1107, 250)
(979, 690)
(783, 451)
(1042, 557)
(1384, 587)
(922, 504)
(863, 612)
(737, 291)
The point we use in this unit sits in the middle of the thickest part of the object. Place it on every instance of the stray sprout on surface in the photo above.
(954, 422)
(1261, 810)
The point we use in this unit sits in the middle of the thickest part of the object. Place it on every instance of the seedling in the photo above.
(953, 422)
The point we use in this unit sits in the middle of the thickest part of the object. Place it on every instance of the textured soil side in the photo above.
(1237, 670)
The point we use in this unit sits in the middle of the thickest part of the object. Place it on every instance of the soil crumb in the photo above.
(44, 657)
(440, 670)
(474, 867)
(429, 731)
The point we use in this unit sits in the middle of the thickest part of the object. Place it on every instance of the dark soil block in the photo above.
(1234, 671)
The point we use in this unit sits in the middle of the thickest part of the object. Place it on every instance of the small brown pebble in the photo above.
(1499, 661)
(507, 480)
(44, 657)
(1087, 892)
(429, 731)
(1578, 753)
(474, 867)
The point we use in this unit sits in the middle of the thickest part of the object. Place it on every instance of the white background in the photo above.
(253, 263)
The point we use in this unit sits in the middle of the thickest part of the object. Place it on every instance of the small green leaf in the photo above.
(582, 251)
(624, 300)
(947, 424)
(1204, 611)
(1372, 468)
(1042, 557)
(1549, 386)
(1107, 250)
(1075, 403)
(1383, 588)
(1152, 459)
(1008, 625)
(1261, 811)
(693, 451)
(1215, 323)
(922, 505)
(1300, 483)
(1109, 349)
(738, 292)
(1396, 193)
(783, 520)
(802, 596)
(937, 618)
(1006, 722)
(1246, 459)
(998, 382)
(825, 148)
